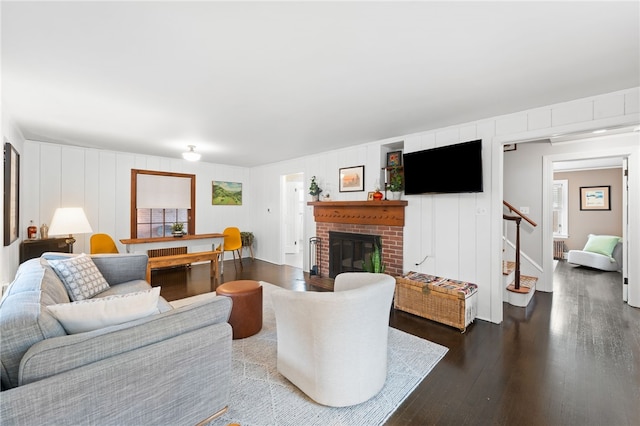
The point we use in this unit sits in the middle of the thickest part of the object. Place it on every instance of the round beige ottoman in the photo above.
(246, 312)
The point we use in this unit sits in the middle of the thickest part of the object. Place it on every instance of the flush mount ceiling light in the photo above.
(191, 155)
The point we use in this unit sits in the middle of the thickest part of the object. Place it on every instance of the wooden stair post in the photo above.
(517, 220)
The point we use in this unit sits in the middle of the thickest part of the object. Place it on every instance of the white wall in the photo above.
(100, 181)
(460, 233)
(10, 254)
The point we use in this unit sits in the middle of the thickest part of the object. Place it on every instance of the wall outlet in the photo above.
(524, 210)
(481, 211)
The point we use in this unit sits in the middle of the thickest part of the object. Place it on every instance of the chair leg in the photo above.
(233, 252)
(240, 257)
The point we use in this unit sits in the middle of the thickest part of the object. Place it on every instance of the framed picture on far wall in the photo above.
(352, 179)
(595, 198)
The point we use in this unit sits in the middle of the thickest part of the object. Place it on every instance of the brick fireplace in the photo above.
(380, 218)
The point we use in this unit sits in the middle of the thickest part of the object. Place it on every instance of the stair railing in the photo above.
(517, 218)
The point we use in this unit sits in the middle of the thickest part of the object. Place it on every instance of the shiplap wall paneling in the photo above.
(632, 102)
(484, 131)
(447, 234)
(108, 196)
(72, 186)
(122, 207)
(92, 207)
(30, 189)
(50, 181)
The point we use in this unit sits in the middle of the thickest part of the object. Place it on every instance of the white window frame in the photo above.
(563, 215)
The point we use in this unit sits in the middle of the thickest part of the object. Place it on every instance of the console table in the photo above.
(166, 242)
(179, 259)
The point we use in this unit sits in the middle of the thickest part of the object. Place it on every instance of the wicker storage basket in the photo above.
(439, 299)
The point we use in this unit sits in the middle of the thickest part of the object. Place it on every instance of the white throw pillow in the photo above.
(80, 276)
(92, 314)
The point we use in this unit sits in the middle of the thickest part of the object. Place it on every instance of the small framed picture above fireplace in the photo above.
(351, 179)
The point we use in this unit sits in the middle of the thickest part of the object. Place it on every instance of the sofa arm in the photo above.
(57, 355)
(181, 380)
(116, 268)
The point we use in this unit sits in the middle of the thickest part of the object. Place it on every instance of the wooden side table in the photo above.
(30, 249)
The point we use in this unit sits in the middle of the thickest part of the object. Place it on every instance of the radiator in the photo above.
(166, 251)
(558, 250)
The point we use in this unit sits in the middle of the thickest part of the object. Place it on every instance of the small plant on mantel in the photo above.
(375, 264)
(396, 182)
(314, 189)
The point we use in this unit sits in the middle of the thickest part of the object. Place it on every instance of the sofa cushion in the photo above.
(93, 314)
(601, 244)
(80, 276)
(24, 319)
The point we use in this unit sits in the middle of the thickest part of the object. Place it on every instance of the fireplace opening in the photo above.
(349, 252)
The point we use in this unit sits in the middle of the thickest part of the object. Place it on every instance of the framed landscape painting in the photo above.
(226, 193)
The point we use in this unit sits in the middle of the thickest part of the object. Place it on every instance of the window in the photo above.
(160, 199)
(561, 208)
(153, 223)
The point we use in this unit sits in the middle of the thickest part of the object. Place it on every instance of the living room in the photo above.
(458, 236)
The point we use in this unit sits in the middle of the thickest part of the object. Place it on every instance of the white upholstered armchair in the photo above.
(333, 345)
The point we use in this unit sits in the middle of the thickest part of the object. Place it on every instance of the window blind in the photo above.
(163, 192)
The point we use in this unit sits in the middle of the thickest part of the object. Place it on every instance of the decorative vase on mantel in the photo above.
(396, 195)
(377, 196)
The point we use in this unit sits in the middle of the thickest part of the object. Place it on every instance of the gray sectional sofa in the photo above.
(172, 367)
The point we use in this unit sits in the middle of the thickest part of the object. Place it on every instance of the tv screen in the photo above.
(446, 169)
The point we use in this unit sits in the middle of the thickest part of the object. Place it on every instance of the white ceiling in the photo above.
(253, 83)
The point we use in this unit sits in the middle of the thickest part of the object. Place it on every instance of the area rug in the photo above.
(261, 396)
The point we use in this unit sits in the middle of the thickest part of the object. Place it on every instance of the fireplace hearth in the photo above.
(349, 252)
(378, 218)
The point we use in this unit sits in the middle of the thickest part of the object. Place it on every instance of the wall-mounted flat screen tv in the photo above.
(446, 169)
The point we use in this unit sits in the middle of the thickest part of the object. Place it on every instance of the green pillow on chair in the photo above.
(601, 244)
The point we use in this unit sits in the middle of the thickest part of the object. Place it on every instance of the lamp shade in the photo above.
(69, 220)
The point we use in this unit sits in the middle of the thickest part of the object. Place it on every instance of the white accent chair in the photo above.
(596, 260)
(333, 345)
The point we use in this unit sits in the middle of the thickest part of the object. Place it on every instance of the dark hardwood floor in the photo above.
(571, 358)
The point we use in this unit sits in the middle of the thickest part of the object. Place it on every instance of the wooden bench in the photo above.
(185, 259)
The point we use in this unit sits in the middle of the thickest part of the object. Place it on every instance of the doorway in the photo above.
(293, 219)
(584, 173)
(622, 145)
(628, 233)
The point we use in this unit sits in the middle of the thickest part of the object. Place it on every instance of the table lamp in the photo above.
(69, 220)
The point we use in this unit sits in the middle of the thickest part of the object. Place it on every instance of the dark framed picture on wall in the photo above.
(394, 158)
(351, 179)
(11, 193)
(595, 197)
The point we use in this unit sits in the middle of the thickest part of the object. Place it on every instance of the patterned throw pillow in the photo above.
(80, 276)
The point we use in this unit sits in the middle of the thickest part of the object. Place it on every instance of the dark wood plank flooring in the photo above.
(570, 358)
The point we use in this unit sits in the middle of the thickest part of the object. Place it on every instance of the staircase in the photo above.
(520, 296)
(518, 289)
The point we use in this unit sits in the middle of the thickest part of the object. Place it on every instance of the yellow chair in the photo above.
(102, 243)
(232, 243)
